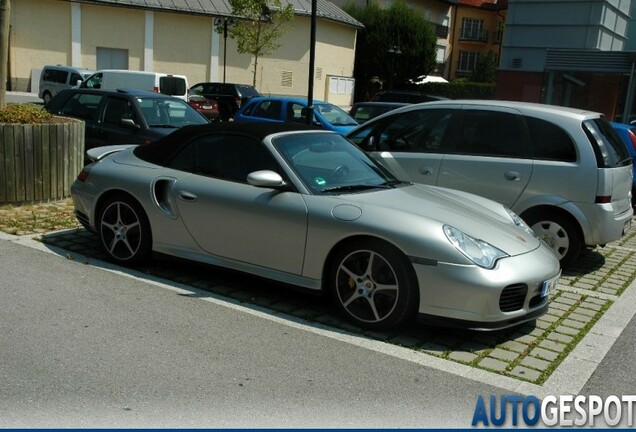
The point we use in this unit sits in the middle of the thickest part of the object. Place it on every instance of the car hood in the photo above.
(478, 217)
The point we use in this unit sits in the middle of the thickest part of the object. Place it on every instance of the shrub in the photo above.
(24, 113)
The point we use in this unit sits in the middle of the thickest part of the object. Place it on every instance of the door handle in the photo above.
(187, 196)
(512, 176)
(425, 170)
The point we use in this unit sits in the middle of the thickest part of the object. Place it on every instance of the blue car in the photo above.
(627, 132)
(294, 110)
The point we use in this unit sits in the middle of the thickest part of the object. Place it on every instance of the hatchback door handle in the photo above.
(425, 170)
(512, 176)
(187, 196)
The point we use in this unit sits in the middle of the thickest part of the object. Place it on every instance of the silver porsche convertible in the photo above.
(307, 207)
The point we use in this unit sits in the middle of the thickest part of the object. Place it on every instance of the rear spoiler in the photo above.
(98, 153)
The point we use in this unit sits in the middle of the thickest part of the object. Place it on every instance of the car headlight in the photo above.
(478, 251)
(519, 222)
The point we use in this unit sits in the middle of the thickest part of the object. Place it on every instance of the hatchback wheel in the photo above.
(559, 233)
(124, 230)
(373, 284)
(46, 97)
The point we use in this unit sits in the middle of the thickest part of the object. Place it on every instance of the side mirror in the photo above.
(129, 123)
(265, 179)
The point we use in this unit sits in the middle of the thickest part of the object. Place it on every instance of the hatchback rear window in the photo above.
(247, 91)
(172, 86)
(609, 149)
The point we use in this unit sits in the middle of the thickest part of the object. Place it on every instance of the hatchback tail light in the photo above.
(156, 89)
(603, 199)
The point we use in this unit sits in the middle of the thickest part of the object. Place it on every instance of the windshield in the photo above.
(163, 112)
(334, 115)
(327, 162)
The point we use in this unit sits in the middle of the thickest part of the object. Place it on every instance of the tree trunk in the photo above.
(5, 16)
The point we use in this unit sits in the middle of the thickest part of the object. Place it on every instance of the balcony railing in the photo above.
(441, 31)
(474, 36)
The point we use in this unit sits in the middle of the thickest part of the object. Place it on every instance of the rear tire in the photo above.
(559, 232)
(373, 284)
(47, 98)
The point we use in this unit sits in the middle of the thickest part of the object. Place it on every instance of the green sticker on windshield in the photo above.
(320, 181)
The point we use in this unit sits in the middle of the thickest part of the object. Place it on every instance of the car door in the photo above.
(409, 144)
(229, 218)
(489, 155)
(112, 129)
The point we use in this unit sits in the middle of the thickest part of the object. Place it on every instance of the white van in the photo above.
(54, 79)
(112, 79)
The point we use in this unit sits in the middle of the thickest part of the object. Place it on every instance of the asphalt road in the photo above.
(84, 347)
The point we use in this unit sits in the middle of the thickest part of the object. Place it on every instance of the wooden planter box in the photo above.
(39, 162)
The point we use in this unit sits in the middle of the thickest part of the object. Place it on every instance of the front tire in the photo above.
(373, 284)
(124, 230)
(560, 233)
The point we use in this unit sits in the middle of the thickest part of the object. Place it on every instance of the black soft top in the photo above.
(160, 151)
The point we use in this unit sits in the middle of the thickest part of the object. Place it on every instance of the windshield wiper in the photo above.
(352, 188)
(163, 126)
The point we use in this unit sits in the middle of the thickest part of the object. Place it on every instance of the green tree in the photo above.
(260, 23)
(397, 45)
(485, 69)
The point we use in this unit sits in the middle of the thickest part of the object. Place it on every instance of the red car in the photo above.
(207, 107)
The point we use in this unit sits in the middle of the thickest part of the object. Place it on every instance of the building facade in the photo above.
(478, 30)
(174, 37)
(566, 52)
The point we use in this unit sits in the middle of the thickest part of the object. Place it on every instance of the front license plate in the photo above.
(549, 285)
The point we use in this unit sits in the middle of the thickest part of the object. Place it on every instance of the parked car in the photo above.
(627, 132)
(564, 171)
(405, 97)
(307, 207)
(209, 108)
(231, 97)
(365, 111)
(294, 110)
(124, 116)
(54, 79)
(158, 82)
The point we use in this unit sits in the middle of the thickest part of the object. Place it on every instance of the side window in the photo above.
(269, 109)
(415, 131)
(492, 133)
(75, 78)
(59, 76)
(549, 141)
(227, 157)
(83, 106)
(295, 113)
(94, 81)
(116, 110)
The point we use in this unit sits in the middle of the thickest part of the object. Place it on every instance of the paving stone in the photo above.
(433, 348)
(559, 306)
(571, 296)
(494, 364)
(585, 286)
(592, 306)
(568, 330)
(526, 339)
(552, 346)
(580, 317)
(588, 312)
(462, 356)
(544, 354)
(514, 346)
(572, 323)
(535, 363)
(543, 324)
(524, 372)
(548, 318)
(565, 300)
(559, 337)
(595, 300)
(501, 354)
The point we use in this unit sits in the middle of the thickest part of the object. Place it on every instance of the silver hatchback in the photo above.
(563, 170)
